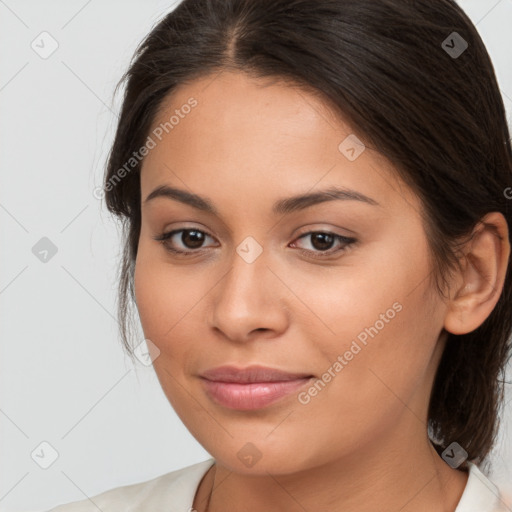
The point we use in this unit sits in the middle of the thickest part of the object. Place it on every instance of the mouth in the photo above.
(250, 388)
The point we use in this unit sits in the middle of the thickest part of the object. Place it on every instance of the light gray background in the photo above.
(64, 377)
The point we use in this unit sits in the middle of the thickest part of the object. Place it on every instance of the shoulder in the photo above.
(482, 495)
(174, 490)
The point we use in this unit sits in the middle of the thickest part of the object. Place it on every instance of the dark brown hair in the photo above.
(410, 89)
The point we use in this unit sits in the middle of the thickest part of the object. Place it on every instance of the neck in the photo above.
(407, 476)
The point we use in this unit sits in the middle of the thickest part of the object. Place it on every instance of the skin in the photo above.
(361, 444)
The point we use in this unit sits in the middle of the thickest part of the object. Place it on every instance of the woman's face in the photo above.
(256, 290)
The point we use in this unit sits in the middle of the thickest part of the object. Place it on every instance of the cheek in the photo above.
(170, 304)
(165, 293)
(165, 305)
(379, 288)
(148, 294)
(383, 327)
(158, 305)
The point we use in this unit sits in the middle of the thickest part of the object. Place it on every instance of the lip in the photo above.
(250, 388)
(254, 373)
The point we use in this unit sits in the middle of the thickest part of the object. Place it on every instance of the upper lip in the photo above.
(253, 373)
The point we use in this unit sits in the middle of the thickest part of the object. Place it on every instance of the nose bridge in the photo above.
(247, 274)
(246, 299)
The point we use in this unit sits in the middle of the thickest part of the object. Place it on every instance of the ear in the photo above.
(480, 282)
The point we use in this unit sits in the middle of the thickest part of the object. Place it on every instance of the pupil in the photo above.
(192, 239)
(324, 238)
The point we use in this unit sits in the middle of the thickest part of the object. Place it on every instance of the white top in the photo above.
(175, 492)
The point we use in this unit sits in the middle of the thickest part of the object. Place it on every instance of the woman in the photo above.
(317, 245)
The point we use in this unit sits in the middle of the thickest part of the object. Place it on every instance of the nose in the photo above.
(249, 299)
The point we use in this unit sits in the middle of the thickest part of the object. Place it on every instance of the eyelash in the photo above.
(347, 241)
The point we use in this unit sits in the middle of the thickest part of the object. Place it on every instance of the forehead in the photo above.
(262, 137)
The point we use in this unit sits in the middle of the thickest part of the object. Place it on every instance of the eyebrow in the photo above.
(281, 207)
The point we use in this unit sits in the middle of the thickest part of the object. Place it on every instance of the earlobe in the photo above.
(482, 275)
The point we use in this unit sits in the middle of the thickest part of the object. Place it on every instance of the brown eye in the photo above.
(191, 240)
(322, 243)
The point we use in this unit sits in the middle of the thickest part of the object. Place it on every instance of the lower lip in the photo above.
(251, 396)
